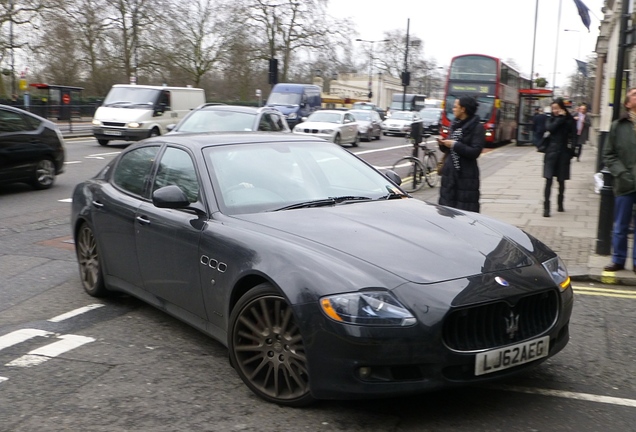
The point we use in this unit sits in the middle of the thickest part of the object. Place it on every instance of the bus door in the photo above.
(529, 99)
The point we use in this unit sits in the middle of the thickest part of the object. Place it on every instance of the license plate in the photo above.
(112, 132)
(511, 356)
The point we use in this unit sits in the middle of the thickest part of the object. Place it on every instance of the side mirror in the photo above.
(393, 176)
(170, 127)
(170, 197)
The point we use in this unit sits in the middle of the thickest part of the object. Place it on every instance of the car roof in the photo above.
(234, 108)
(361, 111)
(207, 139)
(331, 111)
(21, 111)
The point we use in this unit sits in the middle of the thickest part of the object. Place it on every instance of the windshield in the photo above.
(259, 177)
(284, 99)
(327, 117)
(398, 106)
(217, 121)
(484, 111)
(402, 115)
(430, 114)
(126, 96)
(361, 116)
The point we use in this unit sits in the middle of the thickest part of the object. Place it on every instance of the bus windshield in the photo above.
(484, 110)
(474, 68)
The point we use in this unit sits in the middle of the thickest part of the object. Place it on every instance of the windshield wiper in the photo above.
(325, 202)
(393, 194)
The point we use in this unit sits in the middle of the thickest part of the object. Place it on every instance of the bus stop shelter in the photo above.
(55, 101)
(529, 99)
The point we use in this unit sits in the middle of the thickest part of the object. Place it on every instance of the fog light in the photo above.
(364, 372)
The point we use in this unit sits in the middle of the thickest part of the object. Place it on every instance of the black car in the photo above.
(31, 148)
(213, 117)
(431, 119)
(323, 278)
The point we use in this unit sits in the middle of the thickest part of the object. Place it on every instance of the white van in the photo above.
(133, 112)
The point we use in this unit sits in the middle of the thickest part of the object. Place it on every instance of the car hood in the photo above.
(418, 241)
(400, 122)
(319, 125)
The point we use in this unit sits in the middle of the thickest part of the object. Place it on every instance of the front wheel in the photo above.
(89, 264)
(267, 349)
(44, 174)
(430, 168)
(415, 177)
(103, 142)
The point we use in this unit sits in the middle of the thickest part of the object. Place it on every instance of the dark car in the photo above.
(31, 148)
(213, 117)
(322, 277)
(431, 119)
(369, 124)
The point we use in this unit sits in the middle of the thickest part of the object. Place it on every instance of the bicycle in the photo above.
(418, 171)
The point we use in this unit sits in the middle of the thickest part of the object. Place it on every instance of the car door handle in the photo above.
(143, 220)
(97, 204)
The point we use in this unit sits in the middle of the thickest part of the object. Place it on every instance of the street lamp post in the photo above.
(371, 42)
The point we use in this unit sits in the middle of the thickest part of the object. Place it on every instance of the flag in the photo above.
(584, 13)
(582, 67)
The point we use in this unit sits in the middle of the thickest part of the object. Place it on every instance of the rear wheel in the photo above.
(154, 132)
(414, 177)
(89, 264)
(336, 140)
(430, 167)
(356, 141)
(103, 142)
(43, 175)
(267, 349)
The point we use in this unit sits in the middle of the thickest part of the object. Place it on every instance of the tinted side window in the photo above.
(133, 170)
(12, 122)
(176, 168)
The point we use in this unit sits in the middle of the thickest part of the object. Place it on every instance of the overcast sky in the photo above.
(501, 28)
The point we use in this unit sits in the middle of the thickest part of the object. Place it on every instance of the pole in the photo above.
(534, 42)
(406, 64)
(13, 91)
(556, 49)
(620, 63)
(370, 95)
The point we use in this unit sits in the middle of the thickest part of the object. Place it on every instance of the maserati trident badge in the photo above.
(512, 324)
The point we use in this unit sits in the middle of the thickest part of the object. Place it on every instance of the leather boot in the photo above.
(546, 209)
(561, 209)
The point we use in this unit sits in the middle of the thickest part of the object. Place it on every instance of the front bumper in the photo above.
(106, 133)
(406, 360)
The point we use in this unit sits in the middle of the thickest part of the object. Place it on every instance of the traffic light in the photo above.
(406, 78)
(273, 71)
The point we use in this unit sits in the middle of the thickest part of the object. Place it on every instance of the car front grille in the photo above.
(309, 131)
(496, 324)
(115, 124)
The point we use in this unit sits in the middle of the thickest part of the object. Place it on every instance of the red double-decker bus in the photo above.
(494, 84)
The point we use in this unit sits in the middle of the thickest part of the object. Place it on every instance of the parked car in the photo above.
(399, 123)
(213, 117)
(339, 127)
(431, 119)
(31, 148)
(323, 278)
(369, 106)
(369, 124)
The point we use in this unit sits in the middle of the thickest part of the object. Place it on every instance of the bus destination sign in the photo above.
(471, 88)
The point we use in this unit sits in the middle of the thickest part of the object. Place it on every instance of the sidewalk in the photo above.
(514, 194)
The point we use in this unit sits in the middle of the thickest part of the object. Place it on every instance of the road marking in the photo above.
(41, 355)
(101, 155)
(66, 200)
(2, 379)
(604, 292)
(20, 336)
(568, 395)
(72, 162)
(383, 149)
(75, 312)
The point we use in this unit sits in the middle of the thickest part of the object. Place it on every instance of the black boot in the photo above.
(546, 209)
(561, 209)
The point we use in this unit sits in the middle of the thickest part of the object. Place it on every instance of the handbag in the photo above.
(440, 164)
(545, 142)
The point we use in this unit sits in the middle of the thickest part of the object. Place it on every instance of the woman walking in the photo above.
(556, 162)
(460, 172)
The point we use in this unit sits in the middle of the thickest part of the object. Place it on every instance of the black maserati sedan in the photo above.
(322, 277)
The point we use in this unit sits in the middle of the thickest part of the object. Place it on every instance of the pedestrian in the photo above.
(460, 172)
(583, 124)
(538, 126)
(560, 150)
(619, 156)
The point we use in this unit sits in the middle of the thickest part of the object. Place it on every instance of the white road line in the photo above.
(66, 200)
(2, 379)
(50, 351)
(20, 336)
(101, 155)
(568, 395)
(75, 312)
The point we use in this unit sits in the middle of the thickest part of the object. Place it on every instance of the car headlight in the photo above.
(326, 131)
(134, 125)
(556, 269)
(298, 129)
(292, 116)
(96, 122)
(371, 308)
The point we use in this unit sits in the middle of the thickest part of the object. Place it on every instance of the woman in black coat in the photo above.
(460, 172)
(556, 162)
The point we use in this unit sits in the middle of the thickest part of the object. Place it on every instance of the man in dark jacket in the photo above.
(460, 172)
(583, 124)
(619, 155)
(538, 126)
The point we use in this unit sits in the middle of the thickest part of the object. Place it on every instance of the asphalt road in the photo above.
(70, 362)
